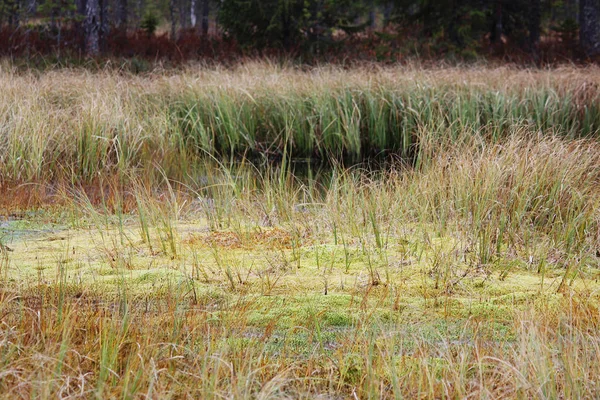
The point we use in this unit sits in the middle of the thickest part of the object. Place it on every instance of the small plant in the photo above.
(4, 257)
(149, 23)
(277, 266)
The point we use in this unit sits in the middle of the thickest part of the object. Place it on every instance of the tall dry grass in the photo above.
(83, 350)
(77, 125)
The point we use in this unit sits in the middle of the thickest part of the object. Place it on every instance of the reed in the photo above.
(78, 125)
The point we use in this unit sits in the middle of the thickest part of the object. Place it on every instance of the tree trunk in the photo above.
(104, 26)
(139, 7)
(80, 23)
(122, 14)
(193, 13)
(497, 28)
(205, 15)
(81, 6)
(535, 22)
(573, 9)
(183, 14)
(29, 7)
(589, 27)
(387, 13)
(14, 13)
(173, 19)
(286, 33)
(92, 28)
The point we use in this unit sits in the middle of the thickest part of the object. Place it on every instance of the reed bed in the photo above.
(77, 125)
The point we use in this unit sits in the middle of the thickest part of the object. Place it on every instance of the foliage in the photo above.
(149, 23)
(59, 11)
(9, 11)
(285, 23)
(463, 24)
(323, 30)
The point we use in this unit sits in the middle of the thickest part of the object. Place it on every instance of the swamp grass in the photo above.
(142, 266)
(77, 125)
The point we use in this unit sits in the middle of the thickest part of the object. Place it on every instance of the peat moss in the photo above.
(320, 285)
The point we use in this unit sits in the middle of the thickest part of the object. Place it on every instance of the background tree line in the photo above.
(461, 27)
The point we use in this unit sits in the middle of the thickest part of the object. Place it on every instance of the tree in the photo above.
(463, 24)
(193, 11)
(205, 15)
(456, 24)
(589, 27)
(173, 19)
(104, 23)
(122, 14)
(149, 23)
(535, 22)
(58, 14)
(92, 27)
(496, 32)
(81, 13)
(183, 7)
(12, 9)
(282, 23)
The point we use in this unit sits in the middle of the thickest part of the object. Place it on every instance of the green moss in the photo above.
(385, 287)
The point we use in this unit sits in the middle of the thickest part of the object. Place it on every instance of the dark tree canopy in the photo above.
(286, 22)
(459, 27)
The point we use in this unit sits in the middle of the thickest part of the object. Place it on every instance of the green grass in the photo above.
(365, 120)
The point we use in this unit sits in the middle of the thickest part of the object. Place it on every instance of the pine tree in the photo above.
(92, 27)
(589, 27)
